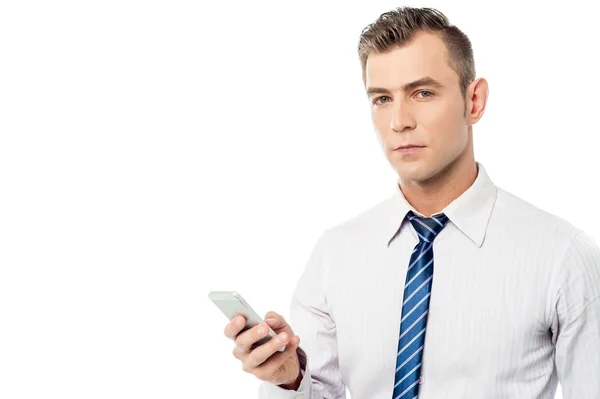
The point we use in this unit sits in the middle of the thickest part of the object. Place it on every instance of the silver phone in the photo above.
(232, 304)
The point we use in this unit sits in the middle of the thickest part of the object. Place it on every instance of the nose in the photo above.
(402, 118)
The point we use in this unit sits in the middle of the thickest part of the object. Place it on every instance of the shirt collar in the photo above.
(470, 212)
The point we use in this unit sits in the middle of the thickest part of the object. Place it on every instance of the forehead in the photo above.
(425, 55)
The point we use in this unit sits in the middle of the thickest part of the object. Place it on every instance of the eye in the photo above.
(379, 98)
(427, 92)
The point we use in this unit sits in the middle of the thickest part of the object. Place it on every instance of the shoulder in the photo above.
(582, 262)
(575, 254)
(361, 226)
(523, 217)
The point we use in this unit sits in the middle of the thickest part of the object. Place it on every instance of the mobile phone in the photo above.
(232, 304)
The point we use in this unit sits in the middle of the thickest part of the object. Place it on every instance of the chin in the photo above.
(414, 172)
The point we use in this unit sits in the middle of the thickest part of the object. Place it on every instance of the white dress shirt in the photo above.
(514, 305)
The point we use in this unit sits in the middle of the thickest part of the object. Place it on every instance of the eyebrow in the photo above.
(425, 81)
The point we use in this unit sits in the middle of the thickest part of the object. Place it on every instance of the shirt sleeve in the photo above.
(577, 320)
(311, 320)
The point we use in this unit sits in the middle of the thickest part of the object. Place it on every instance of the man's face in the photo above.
(431, 115)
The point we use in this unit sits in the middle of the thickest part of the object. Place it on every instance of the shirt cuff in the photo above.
(272, 391)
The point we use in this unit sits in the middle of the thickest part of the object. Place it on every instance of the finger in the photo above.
(273, 323)
(275, 320)
(233, 328)
(265, 351)
(278, 323)
(245, 340)
(272, 315)
(275, 361)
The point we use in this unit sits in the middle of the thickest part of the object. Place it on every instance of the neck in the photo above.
(433, 195)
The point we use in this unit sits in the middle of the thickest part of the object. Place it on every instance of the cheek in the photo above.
(445, 123)
(446, 128)
(439, 115)
(381, 126)
(380, 119)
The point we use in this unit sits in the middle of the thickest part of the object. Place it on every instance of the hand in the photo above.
(265, 362)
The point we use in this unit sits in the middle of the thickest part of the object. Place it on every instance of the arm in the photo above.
(577, 321)
(311, 320)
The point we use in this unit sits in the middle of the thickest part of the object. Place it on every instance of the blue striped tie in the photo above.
(415, 306)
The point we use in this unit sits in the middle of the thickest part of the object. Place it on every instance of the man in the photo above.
(513, 306)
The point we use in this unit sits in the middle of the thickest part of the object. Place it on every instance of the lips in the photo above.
(403, 147)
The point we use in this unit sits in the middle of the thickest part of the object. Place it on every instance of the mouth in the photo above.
(409, 148)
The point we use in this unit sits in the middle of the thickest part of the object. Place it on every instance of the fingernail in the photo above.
(261, 330)
(270, 320)
(282, 337)
(238, 321)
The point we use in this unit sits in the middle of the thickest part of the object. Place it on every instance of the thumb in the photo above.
(275, 321)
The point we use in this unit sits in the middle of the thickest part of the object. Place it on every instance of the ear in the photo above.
(477, 94)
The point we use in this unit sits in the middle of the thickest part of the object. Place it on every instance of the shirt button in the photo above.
(421, 380)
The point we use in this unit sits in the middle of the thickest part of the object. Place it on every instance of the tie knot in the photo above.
(427, 228)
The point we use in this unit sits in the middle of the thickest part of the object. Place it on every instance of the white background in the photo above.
(152, 151)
